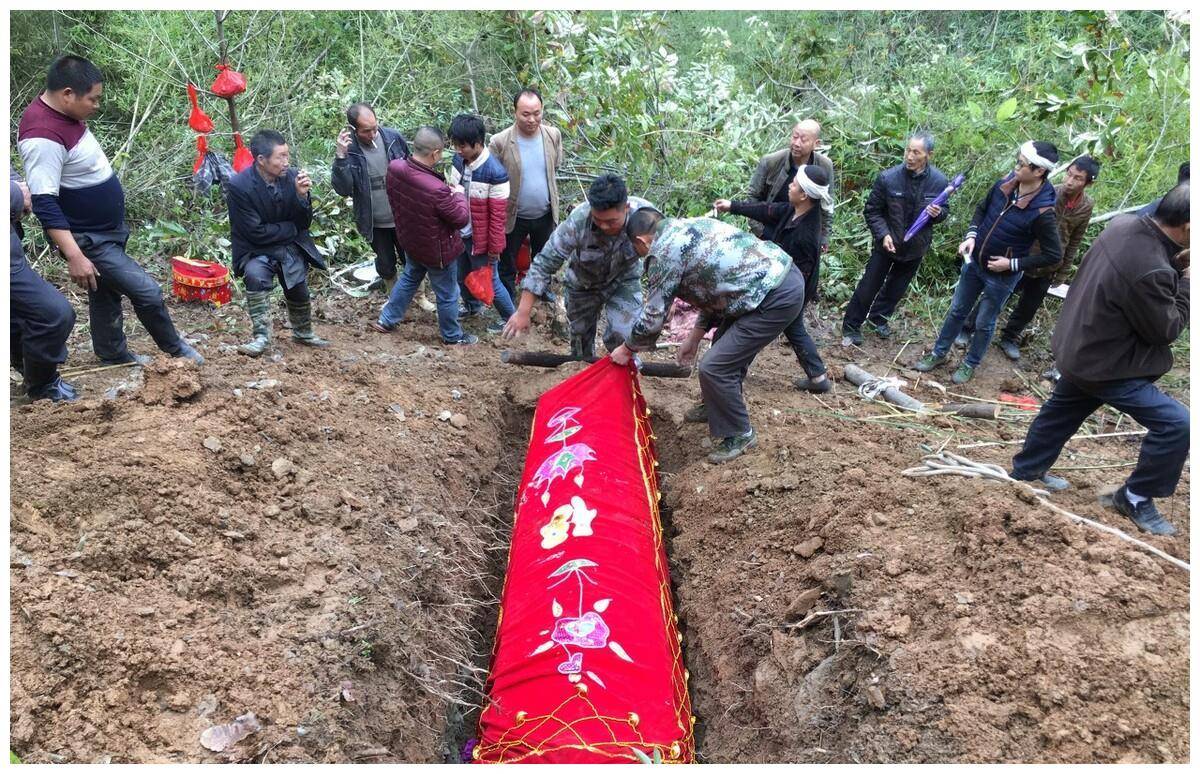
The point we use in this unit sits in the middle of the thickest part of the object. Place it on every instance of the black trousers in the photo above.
(260, 274)
(1031, 291)
(883, 284)
(40, 317)
(388, 253)
(538, 230)
(121, 276)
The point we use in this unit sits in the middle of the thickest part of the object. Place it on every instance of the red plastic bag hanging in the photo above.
(198, 120)
(479, 282)
(241, 157)
(229, 83)
(201, 150)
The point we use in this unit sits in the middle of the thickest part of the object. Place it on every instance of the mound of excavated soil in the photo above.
(303, 538)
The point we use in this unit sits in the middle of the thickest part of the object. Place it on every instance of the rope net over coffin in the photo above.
(587, 664)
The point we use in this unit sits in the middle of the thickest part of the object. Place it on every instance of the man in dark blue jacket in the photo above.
(899, 195)
(270, 211)
(1016, 212)
(364, 150)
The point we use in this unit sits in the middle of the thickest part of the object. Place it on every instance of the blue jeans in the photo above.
(972, 282)
(445, 290)
(1164, 449)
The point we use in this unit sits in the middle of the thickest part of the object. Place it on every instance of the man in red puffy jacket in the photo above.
(429, 214)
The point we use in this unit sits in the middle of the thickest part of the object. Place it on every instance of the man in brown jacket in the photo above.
(1113, 340)
(532, 152)
(776, 170)
(1073, 211)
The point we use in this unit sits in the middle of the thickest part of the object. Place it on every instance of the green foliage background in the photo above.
(681, 102)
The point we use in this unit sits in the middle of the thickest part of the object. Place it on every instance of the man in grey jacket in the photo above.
(776, 170)
(362, 154)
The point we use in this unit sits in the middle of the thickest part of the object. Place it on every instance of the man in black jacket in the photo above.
(364, 150)
(1129, 302)
(270, 211)
(897, 198)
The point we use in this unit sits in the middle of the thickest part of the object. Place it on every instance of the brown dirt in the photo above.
(325, 552)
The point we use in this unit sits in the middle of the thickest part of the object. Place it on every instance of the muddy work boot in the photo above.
(697, 413)
(929, 362)
(1145, 515)
(258, 306)
(818, 385)
(42, 382)
(388, 284)
(300, 316)
(188, 351)
(733, 447)
(851, 337)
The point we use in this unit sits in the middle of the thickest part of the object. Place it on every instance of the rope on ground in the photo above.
(948, 463)
(872, 388)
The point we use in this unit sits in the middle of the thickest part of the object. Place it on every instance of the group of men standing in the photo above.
(626, 259)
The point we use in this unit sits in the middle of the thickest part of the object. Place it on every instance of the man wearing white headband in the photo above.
(777, 170)
(1017, 211)
(796, 227)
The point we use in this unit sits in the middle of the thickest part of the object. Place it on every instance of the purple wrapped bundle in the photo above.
(940, 201)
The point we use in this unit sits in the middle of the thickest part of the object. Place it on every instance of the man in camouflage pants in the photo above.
(725, 273)
(603, 271)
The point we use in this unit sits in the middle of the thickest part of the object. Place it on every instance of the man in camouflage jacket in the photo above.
(603, 271)
(751, 287)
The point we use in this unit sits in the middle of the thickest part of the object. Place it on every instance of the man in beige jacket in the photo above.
(531, 151)
(776, 170)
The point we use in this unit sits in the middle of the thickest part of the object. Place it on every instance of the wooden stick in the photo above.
(554, 360)
(82, 371)
(1073, 438)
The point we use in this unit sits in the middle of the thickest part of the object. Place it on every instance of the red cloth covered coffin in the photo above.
(587, 664)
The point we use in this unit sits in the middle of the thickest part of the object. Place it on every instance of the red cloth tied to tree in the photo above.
(479, 282)
(201, 149)
(587, 664)
(198, 120)
(228, 83)
(241, 156)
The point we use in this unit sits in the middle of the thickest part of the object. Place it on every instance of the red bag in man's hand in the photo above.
(479, 282)
(229, 83)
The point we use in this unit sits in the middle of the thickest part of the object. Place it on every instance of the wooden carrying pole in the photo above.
(554, 360)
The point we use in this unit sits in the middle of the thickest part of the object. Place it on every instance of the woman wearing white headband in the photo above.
(797, 229)
(1017, 211)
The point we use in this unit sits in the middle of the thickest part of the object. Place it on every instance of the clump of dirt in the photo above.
(169, 381)
(302, 537)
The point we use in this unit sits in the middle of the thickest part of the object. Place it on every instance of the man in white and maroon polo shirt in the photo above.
(80, 202)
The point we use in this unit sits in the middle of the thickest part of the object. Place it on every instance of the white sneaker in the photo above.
(425, 304)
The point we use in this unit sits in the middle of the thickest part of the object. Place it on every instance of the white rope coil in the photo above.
(948, 463)
(872, 388)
